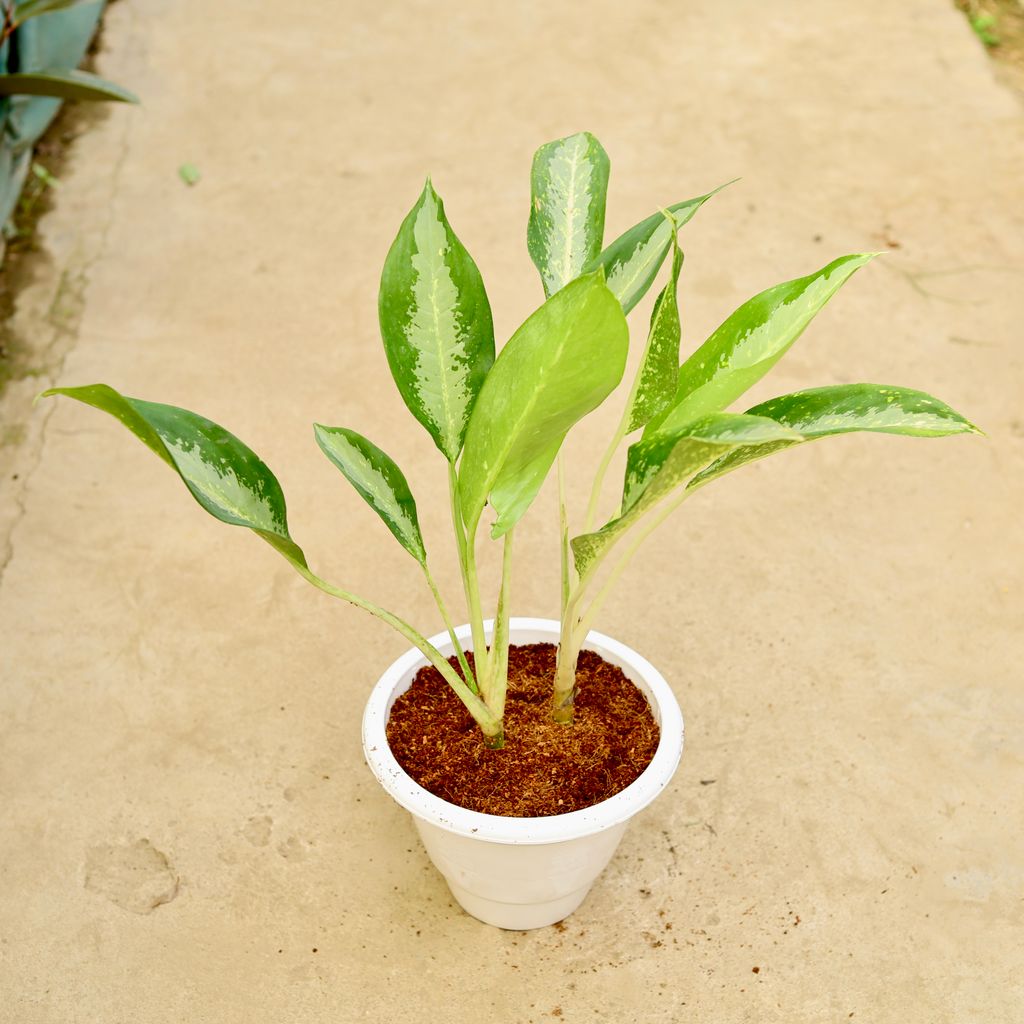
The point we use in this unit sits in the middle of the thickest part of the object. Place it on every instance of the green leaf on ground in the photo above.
(189, 174)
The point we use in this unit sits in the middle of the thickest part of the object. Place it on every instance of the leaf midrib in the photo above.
(569, 218)
(436, 261)
(512, 434)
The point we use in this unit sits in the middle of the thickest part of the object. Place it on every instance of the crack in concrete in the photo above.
(72, 286)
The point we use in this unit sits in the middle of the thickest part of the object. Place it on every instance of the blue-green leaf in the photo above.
(751, 341)
(436, 323)
(568, 188)
(559, 365)
(228, 479)
(379, 481)
(633, 260)
(844, 409)
(658, 466)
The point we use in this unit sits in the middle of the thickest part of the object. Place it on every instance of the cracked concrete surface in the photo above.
(842, 624)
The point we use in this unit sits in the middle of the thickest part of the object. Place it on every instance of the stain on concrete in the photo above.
(971, 884)
(134, 875)
(257, 830)
(292, 848)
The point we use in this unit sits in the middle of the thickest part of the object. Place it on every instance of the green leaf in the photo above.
(229, 480)
(189, 174)
(25, 9)
(568, 188)
(436, 323)
(379, 482)
(658, 466)
(633, 260)
(559, 365)
(659, 366)
(65, 85)
(844, 409)
(751, 341)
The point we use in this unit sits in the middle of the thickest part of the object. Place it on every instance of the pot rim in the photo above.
(526, 831)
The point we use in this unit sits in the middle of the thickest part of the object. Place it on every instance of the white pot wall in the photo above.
(523, 873)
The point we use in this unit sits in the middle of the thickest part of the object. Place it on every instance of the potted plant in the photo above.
(472, 757)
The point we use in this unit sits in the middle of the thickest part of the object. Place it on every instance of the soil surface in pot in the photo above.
(544, 768)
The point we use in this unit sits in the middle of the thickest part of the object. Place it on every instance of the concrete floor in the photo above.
(189, 832)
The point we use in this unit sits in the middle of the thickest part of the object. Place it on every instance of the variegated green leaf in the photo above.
(844, 409)
(660, 465)
(633, 260)
(568, 188)
(751, 341)
(436, 323)
(228, 479)
(659, 367)
(562, 362)
(379, 481)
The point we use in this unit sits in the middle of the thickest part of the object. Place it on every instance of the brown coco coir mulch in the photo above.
(544, 768)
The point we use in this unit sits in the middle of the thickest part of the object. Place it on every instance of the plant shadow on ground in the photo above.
(24, 257)
(999, 26)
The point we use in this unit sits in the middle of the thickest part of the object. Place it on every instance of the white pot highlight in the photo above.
(521, 873)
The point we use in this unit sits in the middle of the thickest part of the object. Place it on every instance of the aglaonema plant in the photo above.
(499, 421)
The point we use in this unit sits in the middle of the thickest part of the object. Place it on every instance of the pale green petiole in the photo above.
(595, 492)
(490, 724)
(563, 526)
(497, 685)
(442, 608)
(581, 628)
(481, 655)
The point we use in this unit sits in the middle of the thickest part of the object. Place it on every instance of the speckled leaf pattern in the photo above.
(228, 479)
(751, 341)
(844, 409)
(568, 189)
(660, 465)
(633, 260)
(379, 481)
(435, 321)
(559, 365)
(659, 366)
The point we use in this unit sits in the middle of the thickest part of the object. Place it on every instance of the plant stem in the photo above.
(586, 620)
(564, 693)
(498, 682)
(563, 526)
(465, 542)
(576, 627)
(467, 672)
(457, 523)
(481, 657)
(602, 468)
(491, 725)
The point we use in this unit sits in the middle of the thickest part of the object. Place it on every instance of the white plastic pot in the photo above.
(522, 873)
